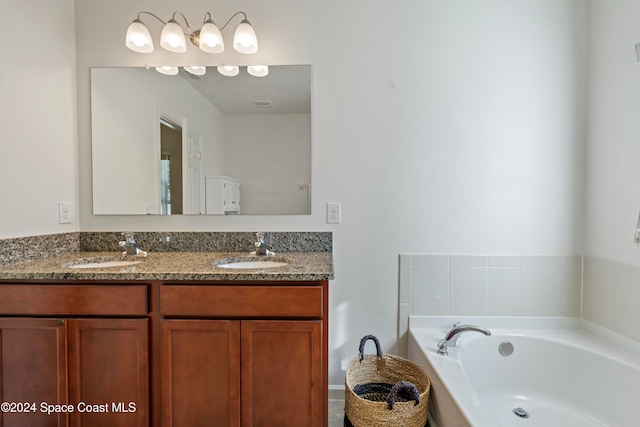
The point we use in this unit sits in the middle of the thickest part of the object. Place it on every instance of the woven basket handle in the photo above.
(405, 389)
(364, 340)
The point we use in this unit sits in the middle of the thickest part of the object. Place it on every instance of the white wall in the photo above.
(264, 152)
(612, 263)
(613, 170)
(441, 127)
(38, 154)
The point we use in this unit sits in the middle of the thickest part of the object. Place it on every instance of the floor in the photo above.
(336, 412)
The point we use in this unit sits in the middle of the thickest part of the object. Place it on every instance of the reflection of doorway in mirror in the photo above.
(170, 168)
(193, 179)
(165, 185)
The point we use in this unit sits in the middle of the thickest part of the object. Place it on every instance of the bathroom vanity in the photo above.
(171, 341)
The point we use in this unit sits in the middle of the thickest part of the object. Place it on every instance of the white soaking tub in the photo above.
(559, 374)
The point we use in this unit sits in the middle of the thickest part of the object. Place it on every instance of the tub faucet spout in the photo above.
(451, 339)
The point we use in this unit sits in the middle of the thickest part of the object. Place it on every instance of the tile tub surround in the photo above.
(611, 296)
(487, 285)
(34, 247)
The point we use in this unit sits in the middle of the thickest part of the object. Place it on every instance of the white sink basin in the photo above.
(252, 264)
(104, 264)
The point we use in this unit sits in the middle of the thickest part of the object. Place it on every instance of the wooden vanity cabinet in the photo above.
(238, 354)
(33, 369)
(254, 356)
(200, 373)
(282, 382)
(109, 370)
(100, 365)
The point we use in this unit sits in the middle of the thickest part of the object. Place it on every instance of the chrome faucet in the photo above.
(261, 246)
(130, 245)
(451, 339)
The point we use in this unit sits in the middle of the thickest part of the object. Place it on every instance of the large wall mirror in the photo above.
(201, 144)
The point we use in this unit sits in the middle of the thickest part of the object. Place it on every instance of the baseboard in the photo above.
(336, 392)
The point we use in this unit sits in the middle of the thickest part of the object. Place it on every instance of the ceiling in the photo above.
(288, 87)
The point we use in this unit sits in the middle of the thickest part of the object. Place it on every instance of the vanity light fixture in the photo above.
(197, 70)
(258, 70)
(168, 70)
(172, 37)
(228, 70)
(208, 38)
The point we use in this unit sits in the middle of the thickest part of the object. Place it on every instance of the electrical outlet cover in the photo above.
(333, 213)
(65, 213)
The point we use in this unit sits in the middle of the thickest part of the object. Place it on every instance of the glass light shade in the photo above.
(211, 38)
(198, 70)
(245, 40)
(172, 37)
(138, 37)
(228, 70)
(168, 70)
(258, 70)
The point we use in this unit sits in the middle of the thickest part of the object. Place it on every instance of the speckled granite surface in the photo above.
(167, 266)
(172, 256)
(34, 247)
(210, 241)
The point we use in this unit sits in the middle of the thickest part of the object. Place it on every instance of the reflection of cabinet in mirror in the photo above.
(222, 195)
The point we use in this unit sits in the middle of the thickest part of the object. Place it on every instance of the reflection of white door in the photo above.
(191, 170)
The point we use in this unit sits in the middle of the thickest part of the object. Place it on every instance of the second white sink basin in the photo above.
(253, 264)
(104, 264)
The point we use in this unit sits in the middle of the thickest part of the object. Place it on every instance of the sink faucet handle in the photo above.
(129, 237)
(261, 246)
(130, 245)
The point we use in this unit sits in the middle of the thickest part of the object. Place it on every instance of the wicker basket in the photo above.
(384, 390)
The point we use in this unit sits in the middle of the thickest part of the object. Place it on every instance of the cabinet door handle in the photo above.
(61, 322)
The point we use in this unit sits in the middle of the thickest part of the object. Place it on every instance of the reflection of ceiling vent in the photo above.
(191, 75)
(263, 104)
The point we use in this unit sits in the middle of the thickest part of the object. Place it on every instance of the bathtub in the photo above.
(561, 373)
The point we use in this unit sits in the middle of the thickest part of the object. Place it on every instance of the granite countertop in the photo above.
(169, 266)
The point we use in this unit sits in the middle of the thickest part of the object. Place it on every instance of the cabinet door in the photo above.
(282, 374)
(200, 371)
(232, 190)
(33, 369)
(109, 372)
